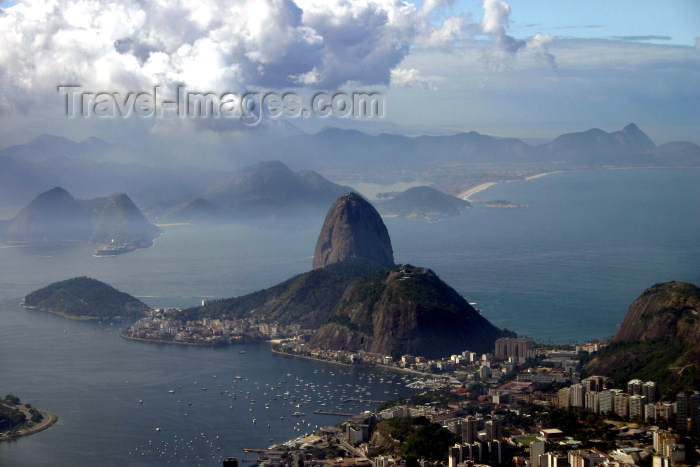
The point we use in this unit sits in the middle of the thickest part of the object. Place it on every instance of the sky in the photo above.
(523, 68)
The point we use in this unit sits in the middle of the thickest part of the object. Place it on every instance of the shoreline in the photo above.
(63, 315)
(194, 344)
(48, 420)
(365, 365)
(467, 194)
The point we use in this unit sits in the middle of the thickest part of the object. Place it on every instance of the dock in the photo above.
(328, 412)
(372, 401)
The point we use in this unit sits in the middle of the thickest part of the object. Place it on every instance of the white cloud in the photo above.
(495, 24)
(410, 78)
(213, 44)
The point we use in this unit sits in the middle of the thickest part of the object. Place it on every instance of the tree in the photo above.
(429, 442)
(12, 399)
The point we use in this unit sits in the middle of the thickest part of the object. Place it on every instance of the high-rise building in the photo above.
(661, 439)
(605, 401)
(555, 459)
(576, 395)
(563, 398)
(637, 404)
(494, 429)
(454, 456)
(651, 390)
(536, 450)
(594, 383)
(514, 347)
(587, 457)
(634, 387)
(666, 411)
(621, 402)
(470, 430)
(682, 411)
(695, 414)
(593, 401)
(650, 413)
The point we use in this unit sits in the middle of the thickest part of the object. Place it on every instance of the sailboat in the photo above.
(158, 428)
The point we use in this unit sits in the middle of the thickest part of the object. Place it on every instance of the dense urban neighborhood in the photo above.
(522, 404)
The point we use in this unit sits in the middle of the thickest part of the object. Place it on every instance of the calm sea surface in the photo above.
(563, 269)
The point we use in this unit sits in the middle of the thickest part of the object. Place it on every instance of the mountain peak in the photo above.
(631, 128)
(353, 228)
(55, 193)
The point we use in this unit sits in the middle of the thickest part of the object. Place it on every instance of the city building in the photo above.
(577, 395)
(651, 390)
(634, 387)
(494, 429)
(587, 458)
(514, 347)
(695, 414)
(682, 411)
(637, 404)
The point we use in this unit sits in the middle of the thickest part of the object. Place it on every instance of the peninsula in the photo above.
(17, 419)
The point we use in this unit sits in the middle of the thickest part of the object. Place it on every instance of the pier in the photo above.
(372, 401)
(328, 412)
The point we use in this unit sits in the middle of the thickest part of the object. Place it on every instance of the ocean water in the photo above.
(565, 268)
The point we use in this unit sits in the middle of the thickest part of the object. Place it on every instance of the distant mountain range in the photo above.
(55, 216)
(353, 150)
(263, 191)
(93, 166)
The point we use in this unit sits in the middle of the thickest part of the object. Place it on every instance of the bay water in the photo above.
(563, 269)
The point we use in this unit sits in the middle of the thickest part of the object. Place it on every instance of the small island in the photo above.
(17, 419)
(500, 203)
(83, 298)
(421, 202)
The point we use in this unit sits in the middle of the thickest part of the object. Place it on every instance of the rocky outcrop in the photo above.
(355, 298)
(657, 340)
(353, 229)
(407, 310)
(662, 313)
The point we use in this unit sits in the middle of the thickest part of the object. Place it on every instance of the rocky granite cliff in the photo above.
(406, 310)
(663, 312)
(657, 340)
(353, 229)
(355, 298)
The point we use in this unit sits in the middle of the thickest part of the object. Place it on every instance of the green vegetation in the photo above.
(418, 438)
(308, 299)
(436, 397)
(10, 416)
(429, 442)
(86, 298)
(648, 360)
